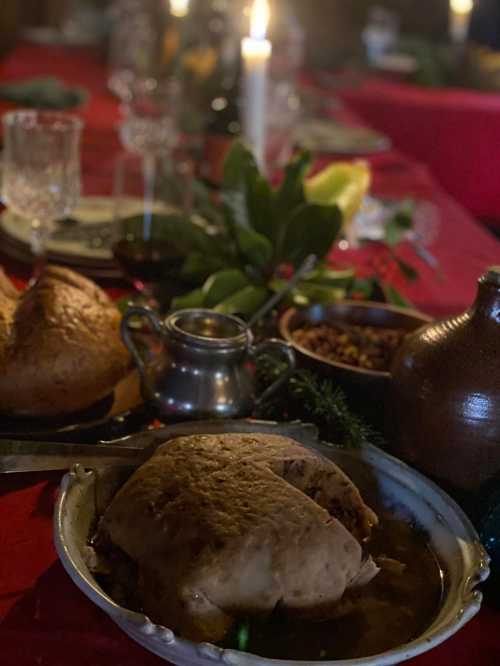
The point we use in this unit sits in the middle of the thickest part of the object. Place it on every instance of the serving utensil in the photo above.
(28, 456)
(308, 266)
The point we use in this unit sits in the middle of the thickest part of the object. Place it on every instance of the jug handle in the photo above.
(150, 315)
(282, 349)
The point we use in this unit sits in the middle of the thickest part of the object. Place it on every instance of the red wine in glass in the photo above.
(147, 262)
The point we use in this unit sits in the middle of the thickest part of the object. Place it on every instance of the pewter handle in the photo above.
(286, 351)
(147, 313)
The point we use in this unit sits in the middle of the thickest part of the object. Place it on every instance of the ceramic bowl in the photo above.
(349, 312)
(385, 483)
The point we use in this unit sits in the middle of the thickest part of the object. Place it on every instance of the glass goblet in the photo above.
(41, 171)
(144, 245)
(149, 129)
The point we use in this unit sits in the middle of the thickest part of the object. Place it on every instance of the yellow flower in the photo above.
(343, 183)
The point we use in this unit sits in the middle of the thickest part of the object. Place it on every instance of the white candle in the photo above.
(179, 8)
(460, 15)
(256, 53)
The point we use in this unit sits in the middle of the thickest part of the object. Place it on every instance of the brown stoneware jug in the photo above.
(445, 394)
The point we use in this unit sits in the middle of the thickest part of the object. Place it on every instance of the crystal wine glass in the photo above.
(41, 171)
(149, 129)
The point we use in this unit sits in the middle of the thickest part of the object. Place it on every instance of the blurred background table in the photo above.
(45, 621)
(452, 131)
(463, 247)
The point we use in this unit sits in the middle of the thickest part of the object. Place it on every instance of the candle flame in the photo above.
(462, 6)
(259, 19)
(179, 8)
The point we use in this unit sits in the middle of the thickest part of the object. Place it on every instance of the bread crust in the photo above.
(61, 349)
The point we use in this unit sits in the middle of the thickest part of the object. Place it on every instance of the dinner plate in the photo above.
(83, 241)
(118, 415)
(87, 235)
(386, 484)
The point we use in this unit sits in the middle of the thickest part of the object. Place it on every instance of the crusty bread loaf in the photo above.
(219, 528)
(61, 349)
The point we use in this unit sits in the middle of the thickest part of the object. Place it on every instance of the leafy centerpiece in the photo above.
(259, 235)
(243, 244)
(262, 234)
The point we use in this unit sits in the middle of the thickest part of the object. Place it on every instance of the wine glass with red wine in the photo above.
(143, 247)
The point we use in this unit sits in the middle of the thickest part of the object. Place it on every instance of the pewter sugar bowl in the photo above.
(206, 367)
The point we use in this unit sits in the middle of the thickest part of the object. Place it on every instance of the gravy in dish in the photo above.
(392, 610)
(396, 607)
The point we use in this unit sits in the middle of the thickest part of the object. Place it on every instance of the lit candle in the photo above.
(256, 53)
(460, 14)
(179, 8)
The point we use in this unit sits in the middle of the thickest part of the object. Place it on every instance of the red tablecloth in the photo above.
(44, 619)
(455, 132)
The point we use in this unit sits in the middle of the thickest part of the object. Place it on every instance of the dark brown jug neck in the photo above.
(487, 303)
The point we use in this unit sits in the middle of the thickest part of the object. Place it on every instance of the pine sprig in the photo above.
(327, 407)
(310, 398)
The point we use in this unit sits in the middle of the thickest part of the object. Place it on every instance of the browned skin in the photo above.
(6, 286)
(62, 350)
(220, 528)
(8, 302)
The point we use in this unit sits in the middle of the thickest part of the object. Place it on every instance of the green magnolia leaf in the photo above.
(239, 169)
(398, 226)
(222, 285)
(204, 205)
(331, 278)
(236, 209)
(410, 273)
(290, 194)
(246, 195)
(394, 297)
(199, 266)
(260, 203)
(244, 302)
(238, 165)
(194, 299)
(255, 248)
(317, 293)
(312, 229)
(307, 293)
(363, 288)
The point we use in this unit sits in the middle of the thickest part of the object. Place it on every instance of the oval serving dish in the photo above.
(385, 482)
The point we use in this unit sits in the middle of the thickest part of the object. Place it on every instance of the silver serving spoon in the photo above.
(307, 266)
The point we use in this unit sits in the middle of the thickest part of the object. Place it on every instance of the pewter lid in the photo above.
(493, 276)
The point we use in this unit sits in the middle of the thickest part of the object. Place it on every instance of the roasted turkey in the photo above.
(235, 525)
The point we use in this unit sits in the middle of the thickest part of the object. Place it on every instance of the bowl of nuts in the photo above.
(355, 341)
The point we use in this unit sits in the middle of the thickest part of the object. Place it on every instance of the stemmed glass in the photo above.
(149, 129)
(149, 133)
(41, 171)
